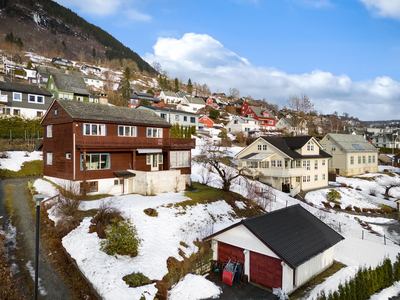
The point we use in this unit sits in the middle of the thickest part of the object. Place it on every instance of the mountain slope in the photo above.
(49, 28)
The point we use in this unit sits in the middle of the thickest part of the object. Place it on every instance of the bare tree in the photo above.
(388, 183)
(263, 195)
(157, 66)
(214, 158)
(302, 109)
(234, 93)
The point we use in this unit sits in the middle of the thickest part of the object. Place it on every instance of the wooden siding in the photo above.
(265, 270)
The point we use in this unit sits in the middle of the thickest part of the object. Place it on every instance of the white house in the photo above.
(191, 104)
(240, 124)
(351, 154)
(286, 124)
(174, 116)
(288, 164)
(281, 249)
(169, 97)
(94, 81)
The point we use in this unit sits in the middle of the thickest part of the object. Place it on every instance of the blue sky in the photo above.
(343, 54)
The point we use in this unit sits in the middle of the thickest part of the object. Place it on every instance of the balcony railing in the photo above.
(133, 142)
(282, 173)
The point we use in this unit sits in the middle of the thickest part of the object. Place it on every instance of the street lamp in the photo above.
(38, 199)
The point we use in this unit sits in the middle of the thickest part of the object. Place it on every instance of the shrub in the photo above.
(103, 218)
(214, 114)
(151, 212)
(386, 209)
(357, 209)
(358, 188)
(121, 238)
(136, 279)
(327, 204)
(342, 184)
(333, 196)
(349, 207)
(373, 191)
(69, 215)
(337, 206)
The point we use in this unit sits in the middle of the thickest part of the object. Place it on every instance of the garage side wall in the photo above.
(313, 267)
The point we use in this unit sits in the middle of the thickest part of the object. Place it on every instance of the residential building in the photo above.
(136, 97)
(94, 81)
(386, 140)
(174, 116)
(191, 103)
(286, 125)
(90, 68)
(288, 164)
(244, 125)
(23, 99)
(282, 249)
(62, 62)
(67, 86)
(265, 118)
(113, 150)
(205, 121)
(169, 97)
(351, 154)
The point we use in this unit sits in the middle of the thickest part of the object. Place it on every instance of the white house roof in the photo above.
(257, 156)
(351, 143)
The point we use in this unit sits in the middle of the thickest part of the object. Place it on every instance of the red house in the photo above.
(265, 118)
(98, 148)
(205, 121)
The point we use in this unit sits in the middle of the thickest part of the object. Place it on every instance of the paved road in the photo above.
(51, 285)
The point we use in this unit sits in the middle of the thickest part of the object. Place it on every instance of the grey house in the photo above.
(174, 116)
(23, 99)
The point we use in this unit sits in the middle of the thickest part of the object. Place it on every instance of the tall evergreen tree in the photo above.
(126, 85)
(176, 87)
(189, 86)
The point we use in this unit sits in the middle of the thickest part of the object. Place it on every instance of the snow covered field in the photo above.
(162, 236)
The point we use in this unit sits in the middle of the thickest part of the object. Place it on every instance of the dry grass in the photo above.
(103, 217)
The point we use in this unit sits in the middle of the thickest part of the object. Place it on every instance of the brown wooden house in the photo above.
(114, 150)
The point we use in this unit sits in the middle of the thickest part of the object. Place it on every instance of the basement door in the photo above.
(265, 270)
(226, 251)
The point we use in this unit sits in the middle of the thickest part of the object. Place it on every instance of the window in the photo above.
(164, 116)
(264, 164)
(134, 101)
(308, 178)
(49, 131)
(68, 155)
(39, 113)
(35, 99)
(323, 176)
(352, 160)
(17, 96)
(192, 120)
(49, 158)
(271, 122)
(154, 132)
(298, 179)
(118, 181)
(369, 159)
(273, 163)
(17, 112)
(279, 163)
(264, 147)
(373, 158)
(310, 146)
(185, 118)
(323, 162)
(307, 164)
(364, 159)
(154, 160)
(180, 159)
(333, 147)
(94, 129)
(323, 147)
(176, 117)
(127, 130)
(359, 159)
(259, 147)
(315, 177)
(316, 165)
(298, 163)
(96, 161)
(55, 111)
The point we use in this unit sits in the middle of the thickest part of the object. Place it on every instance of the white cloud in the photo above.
(205, 60)
(384, 8)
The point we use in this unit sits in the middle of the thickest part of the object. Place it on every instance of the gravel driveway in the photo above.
(51, 285)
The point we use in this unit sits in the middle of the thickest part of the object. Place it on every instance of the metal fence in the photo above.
(21, 134)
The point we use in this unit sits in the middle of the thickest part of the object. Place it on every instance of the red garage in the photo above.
(281, 249)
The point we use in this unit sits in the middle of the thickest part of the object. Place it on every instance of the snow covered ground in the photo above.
(17, 158)
(162, 237)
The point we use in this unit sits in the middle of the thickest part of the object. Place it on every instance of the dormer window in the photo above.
(310, 146)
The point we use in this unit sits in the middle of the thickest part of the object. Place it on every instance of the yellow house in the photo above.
(351, 154)
(288, 164)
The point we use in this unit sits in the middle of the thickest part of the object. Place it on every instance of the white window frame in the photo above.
(20, 95)
(49, 131)
(352, 160)
(91, 162)
(35, 99)
(259, 147)
(68, 155)
(179, 159)
(98, 130)
(279, 164)
(153, 132)
(316, 164)
(127, 131)
(49, 158)
(310, 146)
(273, 163)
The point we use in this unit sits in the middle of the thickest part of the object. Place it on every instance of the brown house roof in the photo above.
(106, 113)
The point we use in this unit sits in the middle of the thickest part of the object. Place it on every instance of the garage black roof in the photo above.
(292, 233)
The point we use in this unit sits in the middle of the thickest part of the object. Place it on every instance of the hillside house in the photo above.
(351, 154)
(113, 150)
(386, 140)
(191, 104)
(94, 81)
(169, 97)
(67, 86)
(205, 122)
(265, 118)
(288, 164)
(90, 68)
(243, 125)
(22, 99)
(137, 97)
(286, 125)
(283, 249)
(211, 102)
(174, 116)
(62, 62)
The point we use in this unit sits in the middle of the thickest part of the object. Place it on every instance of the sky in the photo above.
(342, 54)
